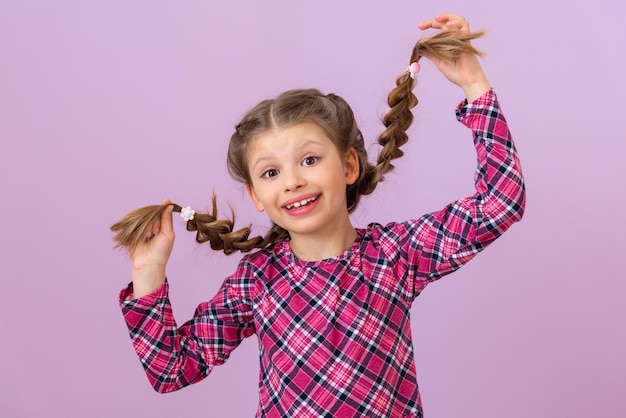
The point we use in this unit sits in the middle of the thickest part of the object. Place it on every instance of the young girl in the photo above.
(328, 302)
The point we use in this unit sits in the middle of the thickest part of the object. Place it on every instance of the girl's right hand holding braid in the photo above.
(150, 256)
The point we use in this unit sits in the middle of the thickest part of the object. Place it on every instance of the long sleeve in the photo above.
(438, 243)
(174, 357)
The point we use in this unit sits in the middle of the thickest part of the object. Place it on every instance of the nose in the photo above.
(293, 180)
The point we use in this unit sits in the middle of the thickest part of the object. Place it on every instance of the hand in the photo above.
(150, 257)
(464, 71)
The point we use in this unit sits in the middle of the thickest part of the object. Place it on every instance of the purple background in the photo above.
(110, 105)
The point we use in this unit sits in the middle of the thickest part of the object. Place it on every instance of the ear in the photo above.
(351, 166)
(255, 199)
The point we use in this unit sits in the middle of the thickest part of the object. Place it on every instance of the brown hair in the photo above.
(335, 117)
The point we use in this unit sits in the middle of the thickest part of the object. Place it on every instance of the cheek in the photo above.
(333, 179)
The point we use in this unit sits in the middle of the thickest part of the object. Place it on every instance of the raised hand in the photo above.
(463, 70)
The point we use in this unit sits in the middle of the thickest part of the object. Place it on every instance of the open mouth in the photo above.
(301, 203)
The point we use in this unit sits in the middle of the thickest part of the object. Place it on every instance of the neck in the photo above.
(316, 247)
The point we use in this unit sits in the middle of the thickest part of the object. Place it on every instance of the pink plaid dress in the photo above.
(334, 335)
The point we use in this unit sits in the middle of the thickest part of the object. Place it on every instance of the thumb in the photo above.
(166, 218)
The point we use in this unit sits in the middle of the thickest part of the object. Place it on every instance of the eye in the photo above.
(310, 160)
(267, 174)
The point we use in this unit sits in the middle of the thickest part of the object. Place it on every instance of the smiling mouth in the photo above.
(301, 203)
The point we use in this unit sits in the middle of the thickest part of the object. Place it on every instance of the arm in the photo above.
(446, 240)
(451, 237)
(438, 243)
(174, 357)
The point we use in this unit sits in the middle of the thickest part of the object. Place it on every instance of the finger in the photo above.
(453, 21)
(149, 233)
(430, 24)
(156, 228)
(446, 17)
(461, 26)
(447, 25)
(445, 21)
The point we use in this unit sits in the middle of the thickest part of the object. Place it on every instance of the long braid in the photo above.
(135, 228)
(445, 45)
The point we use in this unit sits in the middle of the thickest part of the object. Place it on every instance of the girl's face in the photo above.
(299, 178)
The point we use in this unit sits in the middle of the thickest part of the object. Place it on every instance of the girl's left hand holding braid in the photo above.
(465, 70)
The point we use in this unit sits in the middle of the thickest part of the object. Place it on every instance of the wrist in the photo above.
(476, 89)
(147, 279)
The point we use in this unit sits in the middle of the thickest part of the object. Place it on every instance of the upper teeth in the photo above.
(301, 203)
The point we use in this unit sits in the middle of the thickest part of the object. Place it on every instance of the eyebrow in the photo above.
(259, 161)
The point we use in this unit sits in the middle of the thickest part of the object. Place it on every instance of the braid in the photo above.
(445, 45)
(220, 235)
(135, 228)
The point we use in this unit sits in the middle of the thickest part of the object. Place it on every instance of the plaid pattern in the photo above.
(334, 335)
